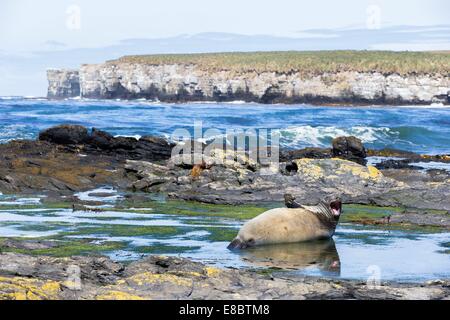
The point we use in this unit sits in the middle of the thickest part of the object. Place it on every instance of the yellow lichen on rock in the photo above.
(366, 173)
(212, 272)
(20, 288)
(309, 168)
(118, 295)
(374, 173)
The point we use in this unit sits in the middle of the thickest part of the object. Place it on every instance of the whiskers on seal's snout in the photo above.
(238, 244)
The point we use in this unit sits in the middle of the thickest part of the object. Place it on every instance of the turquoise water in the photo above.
(418, 129)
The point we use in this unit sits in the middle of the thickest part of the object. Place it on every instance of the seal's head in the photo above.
(329, 210)
(336, 207)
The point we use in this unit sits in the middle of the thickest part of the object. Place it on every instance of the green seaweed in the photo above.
(165, 249)
(70, 248)
(221, 234)
(128, 230)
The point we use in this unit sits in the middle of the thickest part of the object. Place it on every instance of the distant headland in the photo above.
(322, 77)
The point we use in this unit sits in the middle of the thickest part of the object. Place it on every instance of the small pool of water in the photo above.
(355, 252)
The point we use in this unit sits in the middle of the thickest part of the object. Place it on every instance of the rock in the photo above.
(397, 164)
(98, 141)
(312, 153)
(232, 182)
(63, 84)
(349, 148)
(190, 82)
(65, 134)
(101, 139)
(28, 244)
(163, 278)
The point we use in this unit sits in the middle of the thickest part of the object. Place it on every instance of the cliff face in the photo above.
(63, 84)
(178, 82)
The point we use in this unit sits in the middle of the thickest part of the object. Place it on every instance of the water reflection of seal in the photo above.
(321, 254)
(289, 225)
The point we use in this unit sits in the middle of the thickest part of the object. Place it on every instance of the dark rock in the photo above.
(101, 139)
(390, 152)
(98, 141)
(65, 134)
(396, 164)
(312, 153)
(349, 148)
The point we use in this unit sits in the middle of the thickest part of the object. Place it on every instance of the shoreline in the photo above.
(350, 104)
(53, 166)
(158, 277)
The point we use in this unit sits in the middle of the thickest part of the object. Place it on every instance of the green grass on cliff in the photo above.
(307, 62)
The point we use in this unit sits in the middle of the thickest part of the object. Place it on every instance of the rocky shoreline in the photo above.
(159, 277)
(65, 159)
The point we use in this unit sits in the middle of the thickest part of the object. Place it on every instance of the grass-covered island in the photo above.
(320, 77)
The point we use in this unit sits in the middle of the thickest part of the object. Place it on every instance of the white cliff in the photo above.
(179, 82)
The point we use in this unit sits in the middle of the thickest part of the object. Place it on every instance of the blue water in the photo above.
(418, 129)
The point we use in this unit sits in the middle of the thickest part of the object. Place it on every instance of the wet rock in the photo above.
(101, 142)
(28, 244)
(349, 148)
(397, 164)
(312, 153)
(65, 134)
(422, 219)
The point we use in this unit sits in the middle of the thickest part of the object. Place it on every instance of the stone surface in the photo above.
(25, 277)
(179, 82)
(63, 84)
(349, 148)
(65, 134)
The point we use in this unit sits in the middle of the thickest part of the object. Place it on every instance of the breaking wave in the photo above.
(308, 136)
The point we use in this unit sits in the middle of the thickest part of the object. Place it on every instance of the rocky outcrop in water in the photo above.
(68, 157)
(178, 82)
(97, 141)
(24, 277)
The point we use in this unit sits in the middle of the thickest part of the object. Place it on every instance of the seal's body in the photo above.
(289, 225)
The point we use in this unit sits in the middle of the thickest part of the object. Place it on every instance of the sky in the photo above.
(36, 35)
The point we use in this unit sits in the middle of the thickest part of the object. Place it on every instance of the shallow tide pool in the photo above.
(202, 233)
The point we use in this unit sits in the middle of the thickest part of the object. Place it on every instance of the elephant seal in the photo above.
(289, 225)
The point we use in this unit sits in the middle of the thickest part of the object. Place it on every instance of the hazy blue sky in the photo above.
(30, 24)
(36, 35)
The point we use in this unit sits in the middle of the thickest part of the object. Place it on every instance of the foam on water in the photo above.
(90, 195)
(414, 128)
(322, 136)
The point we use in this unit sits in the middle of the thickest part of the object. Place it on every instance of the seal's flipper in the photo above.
(289, 201)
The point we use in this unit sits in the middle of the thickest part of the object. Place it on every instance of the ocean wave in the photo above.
(308, 136)
(15, 132)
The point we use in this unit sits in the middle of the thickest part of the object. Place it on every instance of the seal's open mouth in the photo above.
(336, 207)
